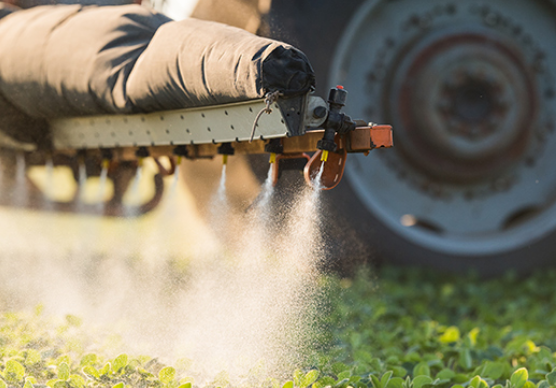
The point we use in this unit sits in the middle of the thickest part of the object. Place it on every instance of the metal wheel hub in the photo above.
(453, 92)
(469, 89)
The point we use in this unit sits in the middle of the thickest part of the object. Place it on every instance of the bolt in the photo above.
(319, 112)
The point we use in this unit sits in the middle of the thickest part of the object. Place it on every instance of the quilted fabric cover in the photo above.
(73, 60)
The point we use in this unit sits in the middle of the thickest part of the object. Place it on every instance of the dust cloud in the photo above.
(231, 292)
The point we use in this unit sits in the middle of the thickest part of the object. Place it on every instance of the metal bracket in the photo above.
(298, 113)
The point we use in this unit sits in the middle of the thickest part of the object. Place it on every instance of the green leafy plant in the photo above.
(404, 329)
(418, 329)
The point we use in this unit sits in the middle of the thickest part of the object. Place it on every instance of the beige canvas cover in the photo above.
(73, 60)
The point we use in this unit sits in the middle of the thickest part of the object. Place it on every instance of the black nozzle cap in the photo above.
(337, 96)
(106, 153)
(274, 146)
(181, 150)
(226, 149)
(327, 145)
(142, 152)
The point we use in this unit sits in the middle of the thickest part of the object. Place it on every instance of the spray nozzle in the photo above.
(141, 154)
(225, 150)
(336, 122)
(181, 152)
(274, 146)
(81, 155)
(107, 155)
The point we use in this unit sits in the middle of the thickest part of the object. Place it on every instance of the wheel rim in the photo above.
(469, 90)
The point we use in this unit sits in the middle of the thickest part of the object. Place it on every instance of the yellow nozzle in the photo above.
(105, 163)
(272, 157)
(178, 160)
(140, 162)
(225, 159)
(324, 156)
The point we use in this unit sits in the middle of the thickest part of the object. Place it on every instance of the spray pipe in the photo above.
(225, 150)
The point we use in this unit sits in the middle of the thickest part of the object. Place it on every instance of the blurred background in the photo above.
(470, 91)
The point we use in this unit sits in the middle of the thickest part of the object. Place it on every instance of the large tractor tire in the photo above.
(469, 87)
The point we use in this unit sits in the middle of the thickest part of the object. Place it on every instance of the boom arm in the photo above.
(286, 129)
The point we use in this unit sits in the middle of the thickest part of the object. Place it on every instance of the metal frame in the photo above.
(206, 125)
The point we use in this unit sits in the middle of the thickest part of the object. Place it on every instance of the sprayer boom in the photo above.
(285, 128)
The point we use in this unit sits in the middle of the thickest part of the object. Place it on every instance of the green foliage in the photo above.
(168, 374)
(519, 378)
(288, 384)
(63, 371)
(34, 354)
(120, 363)
(408, 329)
(14, 371)
(414, 329)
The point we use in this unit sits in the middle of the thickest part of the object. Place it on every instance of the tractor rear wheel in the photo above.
(470, 88)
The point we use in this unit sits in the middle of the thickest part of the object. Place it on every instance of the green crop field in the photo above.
(400, 328)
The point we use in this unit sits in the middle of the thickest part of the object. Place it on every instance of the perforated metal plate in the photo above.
(216, 124)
